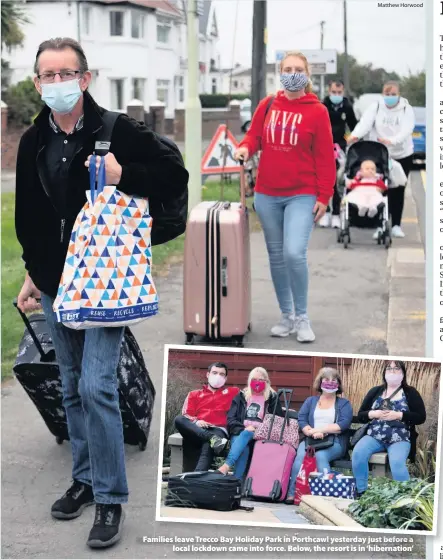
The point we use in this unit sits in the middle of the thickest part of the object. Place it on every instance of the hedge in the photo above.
(220, 100)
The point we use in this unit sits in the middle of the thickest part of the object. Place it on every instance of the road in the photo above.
(348, 306)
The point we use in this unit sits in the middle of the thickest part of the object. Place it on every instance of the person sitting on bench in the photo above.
(203, 420)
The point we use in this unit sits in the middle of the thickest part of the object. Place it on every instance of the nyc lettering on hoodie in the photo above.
(396, 124)
(297, 149)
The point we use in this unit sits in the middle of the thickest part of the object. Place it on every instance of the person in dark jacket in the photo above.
(392, 410)
(322, 416)
(247, 412)
(343, 121)
(51, 182)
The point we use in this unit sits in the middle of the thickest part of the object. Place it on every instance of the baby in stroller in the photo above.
(365, 191)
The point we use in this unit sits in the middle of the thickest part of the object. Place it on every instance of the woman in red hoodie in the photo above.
(296, 177)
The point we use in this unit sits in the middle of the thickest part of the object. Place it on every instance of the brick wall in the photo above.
(10, 142)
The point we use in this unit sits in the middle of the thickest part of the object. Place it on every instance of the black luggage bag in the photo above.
(37, 371)
(207, 490)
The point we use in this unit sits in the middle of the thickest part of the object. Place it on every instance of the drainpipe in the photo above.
(78, 21)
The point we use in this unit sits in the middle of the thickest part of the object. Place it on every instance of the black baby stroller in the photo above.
(349, 217)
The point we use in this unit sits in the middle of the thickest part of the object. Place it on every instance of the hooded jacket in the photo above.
(342, 116)
(297, 156)
(396, 125)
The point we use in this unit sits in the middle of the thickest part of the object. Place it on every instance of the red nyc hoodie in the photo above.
(210, 406)
(297, 148)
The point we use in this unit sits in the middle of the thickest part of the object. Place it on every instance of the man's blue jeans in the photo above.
(88, 361)
(367, 446)
(239, 452)
(323, 458)
(287, 223)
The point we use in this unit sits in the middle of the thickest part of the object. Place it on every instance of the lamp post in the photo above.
(193, 110)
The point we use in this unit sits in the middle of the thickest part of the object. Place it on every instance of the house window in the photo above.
(214, 85)
(212, 65)
(163, 91)
(86, 12)
(181, 89)
(138, 89)
(163, 29)
(235, 83)
(137, 25)
(117, 21)
(117, 101)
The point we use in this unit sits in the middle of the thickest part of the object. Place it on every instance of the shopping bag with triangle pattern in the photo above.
(107, 280)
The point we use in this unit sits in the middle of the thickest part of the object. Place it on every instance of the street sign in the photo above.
(212, 162)
(320, 61)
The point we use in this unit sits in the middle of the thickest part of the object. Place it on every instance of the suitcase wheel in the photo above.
(59, 440)
(142, 445)
(190, 339)
(250, 327)
(238, 341)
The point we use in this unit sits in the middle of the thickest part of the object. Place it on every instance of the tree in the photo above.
(413, 88)
(23, 102)
(12, 18)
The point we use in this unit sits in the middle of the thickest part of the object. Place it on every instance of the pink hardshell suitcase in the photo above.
(271, 464)
(217, 271)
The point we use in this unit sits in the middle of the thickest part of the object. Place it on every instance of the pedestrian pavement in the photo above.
(348, 305)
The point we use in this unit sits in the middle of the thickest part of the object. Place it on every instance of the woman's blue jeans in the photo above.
(88, 361)
(367, 446)
(287, 223)
(239, 452)
(323, 457)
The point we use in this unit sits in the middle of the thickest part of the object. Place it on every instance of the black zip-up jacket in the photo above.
(237, 412)
(340, 116)
(414, 416)
(150, 169)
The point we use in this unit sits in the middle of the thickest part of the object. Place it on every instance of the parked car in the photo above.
(419, 135)
(363, 102)
(245, 114)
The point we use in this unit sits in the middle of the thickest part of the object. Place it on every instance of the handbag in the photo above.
(276, 428)
(326, 442)
(332, 484)
(308, 466)
(107, 279)
(386, 405)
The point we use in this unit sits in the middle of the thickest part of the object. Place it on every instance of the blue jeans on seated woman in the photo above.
(287, 223)
(323, 457)
(367, 446)
(239, 452)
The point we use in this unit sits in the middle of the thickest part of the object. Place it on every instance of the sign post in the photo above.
(321, 62)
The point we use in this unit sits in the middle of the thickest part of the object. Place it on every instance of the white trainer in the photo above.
(304, 330)
(284, 327)
(335, 222)
(397, 232)
(325, 221)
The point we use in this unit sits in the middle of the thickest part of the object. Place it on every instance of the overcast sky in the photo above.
(392, 38)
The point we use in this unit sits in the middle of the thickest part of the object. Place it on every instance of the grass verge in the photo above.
(13, 270)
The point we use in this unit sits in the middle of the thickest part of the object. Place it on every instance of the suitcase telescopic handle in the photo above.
(242, 182)
(286, 420)
(45, 356)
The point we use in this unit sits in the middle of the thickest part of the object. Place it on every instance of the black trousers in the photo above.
(396, 196)
(336, 198)
(197, 439)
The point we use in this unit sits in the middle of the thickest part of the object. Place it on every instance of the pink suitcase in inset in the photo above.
(217, 271)
(271, 464)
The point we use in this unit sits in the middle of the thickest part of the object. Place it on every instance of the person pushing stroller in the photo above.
(365, 191)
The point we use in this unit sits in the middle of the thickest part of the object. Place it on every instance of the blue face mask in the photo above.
(294, 82)
(336, 99)
(61, 97)
(391, 100)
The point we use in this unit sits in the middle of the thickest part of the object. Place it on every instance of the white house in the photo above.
(241, 80)
(135, 48)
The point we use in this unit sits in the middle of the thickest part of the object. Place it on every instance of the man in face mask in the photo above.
(203, 421)
(343, 120)
(51, 183)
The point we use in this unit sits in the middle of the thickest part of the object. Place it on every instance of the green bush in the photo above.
(393, 505)
(219, 100)
(23, 102)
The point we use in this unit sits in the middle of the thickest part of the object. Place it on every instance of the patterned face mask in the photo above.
(294, 82)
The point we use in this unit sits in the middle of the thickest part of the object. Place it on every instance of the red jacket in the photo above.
(297, 148)
(210, 406)
(379, 184)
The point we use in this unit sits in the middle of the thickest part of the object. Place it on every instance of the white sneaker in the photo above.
(377, 232)
(325, 221)
(372, 212)
(397, 232)
(303, 328)
(285, 327)
(335, 223)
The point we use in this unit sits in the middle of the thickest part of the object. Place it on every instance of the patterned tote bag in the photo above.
(106, 280)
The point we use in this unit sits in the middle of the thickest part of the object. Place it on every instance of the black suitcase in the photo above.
(207, 490)
(37, 371)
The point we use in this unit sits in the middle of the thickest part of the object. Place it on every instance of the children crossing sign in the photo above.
(219, 157)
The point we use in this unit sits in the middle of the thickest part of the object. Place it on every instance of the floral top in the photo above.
(389, 431)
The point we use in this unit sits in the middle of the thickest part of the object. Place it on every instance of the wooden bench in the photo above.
(378, 463)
